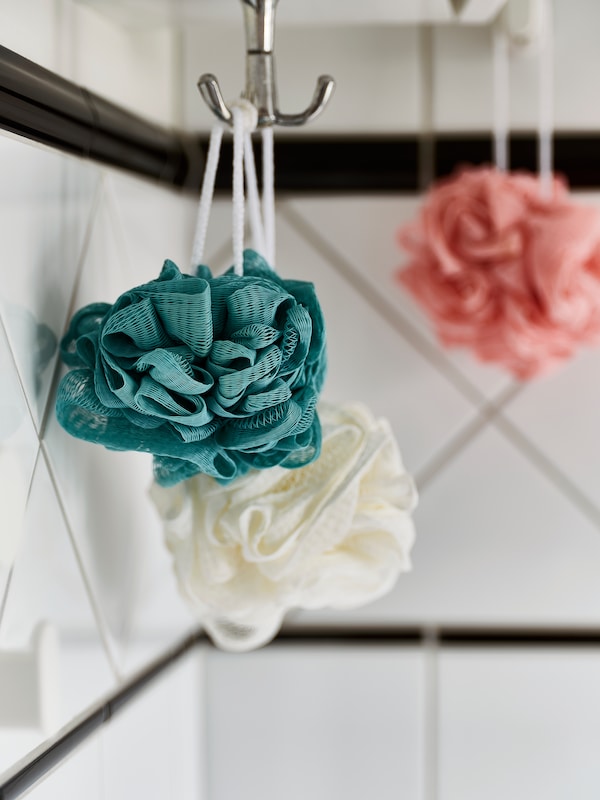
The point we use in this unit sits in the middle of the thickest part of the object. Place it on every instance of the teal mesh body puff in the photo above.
(210, 375)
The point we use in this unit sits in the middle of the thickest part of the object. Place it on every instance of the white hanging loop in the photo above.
(546, 100)
(501, 78)
(256, 223)
(268, 182)
(206, 196)
(245, 117)
(238, 191)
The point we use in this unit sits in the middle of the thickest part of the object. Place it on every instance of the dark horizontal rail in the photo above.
(42, 106)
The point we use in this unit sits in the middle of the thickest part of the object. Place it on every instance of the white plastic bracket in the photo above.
(524, 21)
(29, 683)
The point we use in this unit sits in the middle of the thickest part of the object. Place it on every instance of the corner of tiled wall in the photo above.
(76, 550)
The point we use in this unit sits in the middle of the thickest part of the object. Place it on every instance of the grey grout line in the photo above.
(386, 310)
(465, 436)
(13, 359)
(205, 765)
(102, 630)
(544, 465)
(5, 593)
(71, 307)
(4, 599)
(113, 207)
(431, 716)
(489, 411)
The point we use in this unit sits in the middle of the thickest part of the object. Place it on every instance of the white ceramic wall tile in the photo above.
(120, 537)
(369, 361)
(363, 231)
(47, 586)
(80, 775)
(496, 544)
(105, 492)
(30, 28)
(154, 747)
(153, 224)
(519, 724)
(559, 414)
(499, 544)
(147, 58)
(18, 448)
(47, 204)
(320, 723)
(376, 70)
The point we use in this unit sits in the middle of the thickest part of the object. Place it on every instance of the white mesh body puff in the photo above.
(335, 533)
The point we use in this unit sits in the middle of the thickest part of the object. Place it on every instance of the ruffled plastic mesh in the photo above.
(210, 375)
(336, 533)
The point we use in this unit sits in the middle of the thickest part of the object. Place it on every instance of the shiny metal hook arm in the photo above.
(213, 97)
(322, 95)
(261, 90)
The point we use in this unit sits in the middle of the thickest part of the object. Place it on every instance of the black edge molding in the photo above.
(350, 164)
(42, 106)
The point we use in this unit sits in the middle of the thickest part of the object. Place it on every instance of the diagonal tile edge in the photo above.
(548, 469)
(13, 361)
(98, 193)
(465, 436)
(4, 596)
(102, 627)
(392, 316)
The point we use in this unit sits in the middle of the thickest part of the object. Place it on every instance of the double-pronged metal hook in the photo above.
(261, 90)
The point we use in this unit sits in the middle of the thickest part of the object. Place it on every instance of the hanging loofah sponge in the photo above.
(213, 375)
(505, 271)
(336, 533)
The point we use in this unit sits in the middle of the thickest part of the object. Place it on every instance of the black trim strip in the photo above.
(349, 164)
(443, 636)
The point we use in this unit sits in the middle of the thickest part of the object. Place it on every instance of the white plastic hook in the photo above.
(29, 683)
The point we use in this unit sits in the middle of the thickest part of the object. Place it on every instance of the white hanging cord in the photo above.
(256, 225)
(546, 100)
(501, 78)
(268, 198)
(426, 171)
(245, 117)
(238, 191)
(206, 197)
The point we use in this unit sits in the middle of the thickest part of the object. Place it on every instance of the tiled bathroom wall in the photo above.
(508, 523)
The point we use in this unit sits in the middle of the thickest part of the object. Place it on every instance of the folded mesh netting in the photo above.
(210, 375)
(337, 533)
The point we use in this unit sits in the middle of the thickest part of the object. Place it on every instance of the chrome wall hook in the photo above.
(261, 90)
